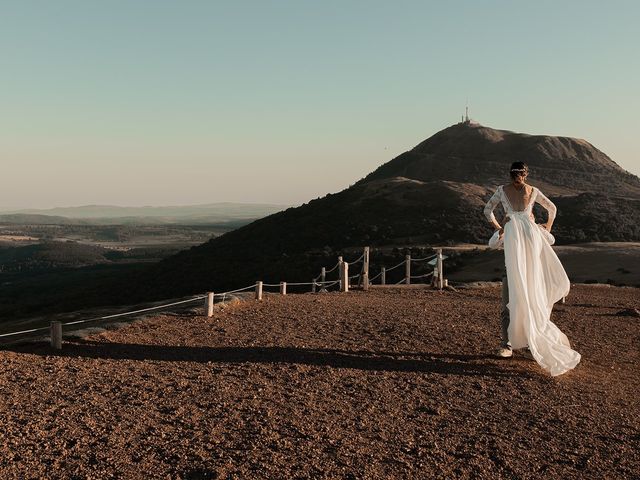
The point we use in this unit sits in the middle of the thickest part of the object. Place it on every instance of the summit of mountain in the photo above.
(469, 152)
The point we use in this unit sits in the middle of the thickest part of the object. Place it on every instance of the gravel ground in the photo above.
(390, 383)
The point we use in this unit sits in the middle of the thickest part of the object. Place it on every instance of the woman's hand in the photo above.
(501, 229)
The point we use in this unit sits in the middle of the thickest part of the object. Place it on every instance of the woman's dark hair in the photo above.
(518, 168)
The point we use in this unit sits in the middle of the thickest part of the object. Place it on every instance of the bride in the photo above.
(535, 277)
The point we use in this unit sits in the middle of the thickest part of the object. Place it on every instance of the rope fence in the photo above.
(396, 266)
(333, 268)
(374, 278)
(423, 259)
(421, 276)
(104, 317)
(343, 283)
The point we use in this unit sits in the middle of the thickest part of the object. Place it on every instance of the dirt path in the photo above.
(382, 384)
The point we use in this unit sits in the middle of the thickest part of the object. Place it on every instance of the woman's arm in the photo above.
(490, 207)
(549, 206)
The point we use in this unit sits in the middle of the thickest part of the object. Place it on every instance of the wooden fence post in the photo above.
(383, 276)
(341, 271)
(344, 277)
(407, 269)
(313, 286)
(323, 277)
(440, 275)
(258, 290)
(283, 288)
(56, 335)
(365, 269)
(210, 297)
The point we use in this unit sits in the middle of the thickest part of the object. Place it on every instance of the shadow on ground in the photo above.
(437, 363)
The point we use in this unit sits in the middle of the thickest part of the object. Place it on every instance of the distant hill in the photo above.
(51, 255)
(213, 213)
(433, 195)
(36, 219)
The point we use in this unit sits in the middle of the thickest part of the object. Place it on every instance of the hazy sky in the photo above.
(178, 102)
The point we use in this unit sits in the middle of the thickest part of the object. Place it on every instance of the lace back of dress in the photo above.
(518, 200)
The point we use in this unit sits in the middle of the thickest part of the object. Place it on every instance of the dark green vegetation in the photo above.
(52, 255)
(593, 217)
(117, 233)
(48, 268)
(24, 295)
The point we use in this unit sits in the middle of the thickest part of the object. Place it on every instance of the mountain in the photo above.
(472, 153)
(432, 194)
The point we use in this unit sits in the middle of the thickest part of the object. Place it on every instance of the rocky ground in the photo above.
(390, 383)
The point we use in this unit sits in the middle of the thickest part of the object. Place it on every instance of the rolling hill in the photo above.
(430, 195)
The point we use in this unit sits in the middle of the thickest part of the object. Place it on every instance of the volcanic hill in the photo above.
(432, 194)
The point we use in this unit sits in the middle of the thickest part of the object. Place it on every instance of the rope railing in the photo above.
(425, 258)
(105, 317)
(238, 290)
(24, 332)
(375, 277)
(396, 266)
(407, 278)
(333, 268)
(361, 257)
(327, 284)
(258, 286)
(422, 276)
(327, 271)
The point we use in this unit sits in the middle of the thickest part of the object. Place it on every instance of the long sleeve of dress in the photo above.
(491, 205)
(548, 205)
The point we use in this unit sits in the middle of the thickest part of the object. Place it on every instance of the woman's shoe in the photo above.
(504, 352)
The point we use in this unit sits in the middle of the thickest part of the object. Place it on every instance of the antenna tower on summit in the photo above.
(465, 118)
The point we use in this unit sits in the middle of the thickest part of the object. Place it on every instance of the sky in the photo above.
(132, 102)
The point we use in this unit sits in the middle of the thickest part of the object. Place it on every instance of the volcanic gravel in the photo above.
(389, 383)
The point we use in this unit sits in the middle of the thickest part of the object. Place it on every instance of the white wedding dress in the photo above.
(537, 280)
